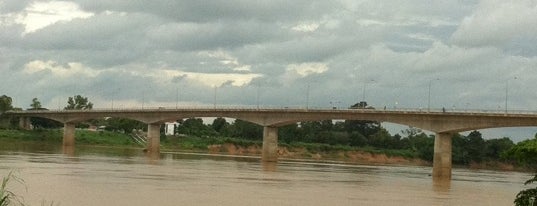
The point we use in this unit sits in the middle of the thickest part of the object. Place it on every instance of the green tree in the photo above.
(36, 104)
(195, 126)
(524, 153)
(496, 147)
(290, 133)
(78, 102)
(220, 125)
(364, 127)
(527, 197)
(5, 103)
(475, 146)
(122, 124)
(246, 130)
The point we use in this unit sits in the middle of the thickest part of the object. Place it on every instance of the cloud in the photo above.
(134, 52)
(306, 69)
(496, 23)
(42, 14)
(59, 71)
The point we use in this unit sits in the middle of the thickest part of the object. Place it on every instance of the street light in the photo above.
(507, 92)
(429, 97)
(215, 96)
(308, 96)
(364, 88)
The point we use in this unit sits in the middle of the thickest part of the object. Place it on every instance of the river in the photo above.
(111, 176)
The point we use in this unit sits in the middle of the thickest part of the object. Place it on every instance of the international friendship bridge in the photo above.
(443, 123)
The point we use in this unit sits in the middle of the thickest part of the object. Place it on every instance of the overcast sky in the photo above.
(122, 54)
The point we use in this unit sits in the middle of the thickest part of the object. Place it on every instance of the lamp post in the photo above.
(507, 93)
(364, 88)
(215, 96)
(307, 96)
(429, 97)
(257, 95)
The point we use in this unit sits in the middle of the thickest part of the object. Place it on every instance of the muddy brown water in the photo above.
(107, 176)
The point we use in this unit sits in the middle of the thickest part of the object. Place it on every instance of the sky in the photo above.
(468, 55)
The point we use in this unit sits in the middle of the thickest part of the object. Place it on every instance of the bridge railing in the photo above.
(295, 108)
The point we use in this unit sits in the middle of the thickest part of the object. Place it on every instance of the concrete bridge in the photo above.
(443, 124)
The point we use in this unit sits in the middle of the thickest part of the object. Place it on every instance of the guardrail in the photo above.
(285, 108)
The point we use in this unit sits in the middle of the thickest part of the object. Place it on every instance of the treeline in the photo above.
(471, 148)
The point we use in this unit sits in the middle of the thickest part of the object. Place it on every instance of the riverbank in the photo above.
(234, 146)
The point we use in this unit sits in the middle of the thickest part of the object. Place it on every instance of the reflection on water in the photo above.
(105, 176)
(69, 150)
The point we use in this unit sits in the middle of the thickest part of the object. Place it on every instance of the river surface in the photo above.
(108, 176)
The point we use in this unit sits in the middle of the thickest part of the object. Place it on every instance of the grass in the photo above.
(191, 143)
(55, 136)
(6, 196)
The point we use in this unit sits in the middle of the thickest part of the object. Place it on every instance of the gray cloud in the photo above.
(161, 53)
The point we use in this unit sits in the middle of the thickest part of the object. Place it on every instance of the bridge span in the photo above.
(443, 123)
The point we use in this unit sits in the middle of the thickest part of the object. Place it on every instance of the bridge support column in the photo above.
(153, 138)
(24, 123)
(442, 156)
(68, 134)
(270, 144)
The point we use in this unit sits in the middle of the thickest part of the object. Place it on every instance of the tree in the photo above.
(127, 125)
(78, 102)
(247, 130)
(364, 127)
(219, 124)
(36, 105)
(496, 147)
(527, 197)
(475, 146)
(524, 153)
(5, 103)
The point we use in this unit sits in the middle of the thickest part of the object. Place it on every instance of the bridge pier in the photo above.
(153, 138)
(270, 144)
(24, 123)
(68, 134)
(442, 156)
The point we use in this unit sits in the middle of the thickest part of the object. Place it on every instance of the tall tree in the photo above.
(36, 104)
(78, 102)
(219, 124)
(5, 103)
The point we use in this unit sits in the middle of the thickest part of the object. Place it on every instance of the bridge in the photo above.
(443, 123)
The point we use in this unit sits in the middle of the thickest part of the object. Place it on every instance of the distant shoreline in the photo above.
(239, 147)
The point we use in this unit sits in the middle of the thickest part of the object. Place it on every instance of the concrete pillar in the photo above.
(24, 123)
(442, 157)
(153, 138)
(270, 144)
(68, 134)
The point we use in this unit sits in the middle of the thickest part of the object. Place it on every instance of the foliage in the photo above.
(6, 196)
(103, 138)
(246, 130)
(122, 124)
(527, 197)
(524, 153)
(195, 126)
(5, 103)
(45, 123)
(78, 102)
(220, 125)
(36, 104)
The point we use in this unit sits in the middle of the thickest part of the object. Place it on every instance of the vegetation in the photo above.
(6, 196)
(527, 197)
(78, 102)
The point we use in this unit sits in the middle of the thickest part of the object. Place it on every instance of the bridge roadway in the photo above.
(443, 123)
